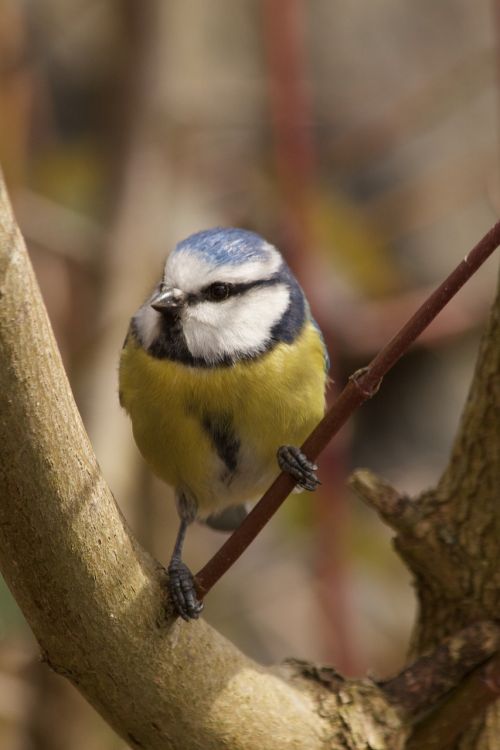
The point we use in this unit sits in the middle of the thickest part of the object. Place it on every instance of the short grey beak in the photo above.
(168, 299)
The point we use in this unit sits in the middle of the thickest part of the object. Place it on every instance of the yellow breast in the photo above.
(214, 432)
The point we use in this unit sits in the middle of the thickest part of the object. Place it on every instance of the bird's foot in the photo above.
(182, 590)
(294, 462)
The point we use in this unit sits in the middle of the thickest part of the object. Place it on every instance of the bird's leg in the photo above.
(294, 462)
(180, 579)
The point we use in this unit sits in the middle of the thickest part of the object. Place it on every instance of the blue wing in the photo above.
(325, 350)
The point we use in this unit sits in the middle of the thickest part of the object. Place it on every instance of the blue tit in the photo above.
(223, 374)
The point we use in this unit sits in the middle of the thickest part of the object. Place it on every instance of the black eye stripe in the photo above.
(232, 289)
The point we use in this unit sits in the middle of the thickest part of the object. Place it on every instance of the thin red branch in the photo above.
(361, 386)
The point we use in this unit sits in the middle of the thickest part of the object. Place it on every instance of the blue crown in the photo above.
(225, 245)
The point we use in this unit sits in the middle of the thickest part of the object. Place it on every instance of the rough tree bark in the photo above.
(96, 601)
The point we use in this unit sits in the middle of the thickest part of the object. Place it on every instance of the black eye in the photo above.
(218, 291)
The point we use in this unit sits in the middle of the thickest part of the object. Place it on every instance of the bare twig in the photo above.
(361, 386)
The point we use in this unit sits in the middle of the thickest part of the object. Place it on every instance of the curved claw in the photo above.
(294, 462)
(183, 591)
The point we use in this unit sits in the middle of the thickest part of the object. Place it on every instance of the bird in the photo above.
(223, 373)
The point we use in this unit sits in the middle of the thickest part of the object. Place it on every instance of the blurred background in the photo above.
(362, 139)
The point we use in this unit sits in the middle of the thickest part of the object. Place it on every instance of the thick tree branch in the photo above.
(422, 684)
(442, 729)
(361, 386)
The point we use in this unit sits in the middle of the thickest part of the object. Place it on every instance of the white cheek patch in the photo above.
(188, 270)
(148, 324)
(241, 324)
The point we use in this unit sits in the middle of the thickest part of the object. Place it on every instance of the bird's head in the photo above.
(225, 295)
